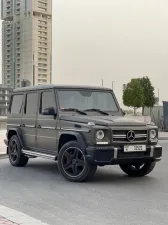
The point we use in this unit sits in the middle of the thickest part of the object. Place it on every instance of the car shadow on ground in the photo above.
(107, 174)
(48, 170)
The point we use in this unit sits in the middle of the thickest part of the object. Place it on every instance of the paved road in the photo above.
(112, 198)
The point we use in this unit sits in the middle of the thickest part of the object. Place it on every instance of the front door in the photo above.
(47, 124)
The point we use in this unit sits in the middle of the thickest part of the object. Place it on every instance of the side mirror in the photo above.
(49, 112)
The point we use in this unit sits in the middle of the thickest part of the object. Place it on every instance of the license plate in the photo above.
(135, 148)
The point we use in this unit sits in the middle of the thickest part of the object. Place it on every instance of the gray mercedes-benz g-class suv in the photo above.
(81, 128)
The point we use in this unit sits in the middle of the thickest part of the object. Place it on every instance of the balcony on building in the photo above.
(42, 45)
(18, 5)
(42, 23)
(8, 62)
(8, 13)
(45, 1)
(42, 5)
(8, 37)
(42, 28)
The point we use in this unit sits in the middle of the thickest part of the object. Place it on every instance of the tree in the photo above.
(148, 92)
(133, 94)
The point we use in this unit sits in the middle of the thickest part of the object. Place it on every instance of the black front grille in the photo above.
(120, 136)
(104, 155)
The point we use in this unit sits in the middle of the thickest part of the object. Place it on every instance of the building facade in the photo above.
(26, 42)
(4, 99)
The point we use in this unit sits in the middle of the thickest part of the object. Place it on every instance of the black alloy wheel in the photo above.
(138, 169)
(72, 163)
(13, 151)
(16, 157)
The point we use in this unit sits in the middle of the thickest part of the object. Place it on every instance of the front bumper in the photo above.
(115, 155)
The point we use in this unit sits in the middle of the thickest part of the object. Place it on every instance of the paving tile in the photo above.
(12, 217)
(4, 221)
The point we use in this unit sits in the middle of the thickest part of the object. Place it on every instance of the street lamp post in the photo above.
(102, 82)
(113, 85)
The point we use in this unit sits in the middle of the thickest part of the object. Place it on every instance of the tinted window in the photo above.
(31, 103)
(87, 99)
(47, 100)
(16, 104)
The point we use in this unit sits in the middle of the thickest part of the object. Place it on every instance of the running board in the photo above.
(37, 154)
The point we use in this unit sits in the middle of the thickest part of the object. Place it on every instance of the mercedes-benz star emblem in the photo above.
(130, 135)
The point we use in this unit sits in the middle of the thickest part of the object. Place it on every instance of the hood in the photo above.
(103, 120)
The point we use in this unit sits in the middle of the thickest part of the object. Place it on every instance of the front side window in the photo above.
(16, 105)
(47, 100)
(31, 103)
(87, 99)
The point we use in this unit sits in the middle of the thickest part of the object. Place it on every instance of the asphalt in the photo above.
(112, 198)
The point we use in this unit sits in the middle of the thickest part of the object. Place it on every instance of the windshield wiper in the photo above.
(74, 110)
(97, 110)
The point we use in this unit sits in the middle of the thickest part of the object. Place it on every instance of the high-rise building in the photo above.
(26, 42)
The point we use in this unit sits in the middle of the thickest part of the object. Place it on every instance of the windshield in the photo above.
(87, 99)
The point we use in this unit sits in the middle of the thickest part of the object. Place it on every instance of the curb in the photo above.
(163, 138)
(18, 217)
(3, 156)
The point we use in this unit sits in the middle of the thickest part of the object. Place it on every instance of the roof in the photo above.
(51, 86)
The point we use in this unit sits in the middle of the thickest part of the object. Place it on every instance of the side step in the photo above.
(37, 154)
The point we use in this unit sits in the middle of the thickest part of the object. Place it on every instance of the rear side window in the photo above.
(31, 103)
(16, 105)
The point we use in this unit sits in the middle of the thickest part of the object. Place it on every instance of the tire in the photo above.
(138, 170)
(16, 157)
(92, 173)
(72, 163)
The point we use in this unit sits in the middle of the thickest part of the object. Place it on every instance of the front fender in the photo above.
(15, 131)
(80, 138)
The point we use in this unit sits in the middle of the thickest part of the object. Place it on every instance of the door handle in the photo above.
(38, 126)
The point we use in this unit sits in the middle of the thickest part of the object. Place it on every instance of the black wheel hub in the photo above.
(13, 151)
(73, 162)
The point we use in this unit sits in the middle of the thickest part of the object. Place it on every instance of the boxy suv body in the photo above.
(81, 128)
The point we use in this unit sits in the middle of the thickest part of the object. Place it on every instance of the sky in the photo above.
(113, 40)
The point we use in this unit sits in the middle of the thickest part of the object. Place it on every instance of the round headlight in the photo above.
(153, 134)
(100, 134)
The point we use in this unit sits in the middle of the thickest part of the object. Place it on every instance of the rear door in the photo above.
(29, 120)
(47, 124)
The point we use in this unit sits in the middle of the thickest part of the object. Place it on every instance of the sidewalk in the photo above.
(163, 135)
(2, 151)
(12, 217)
(2, 144)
